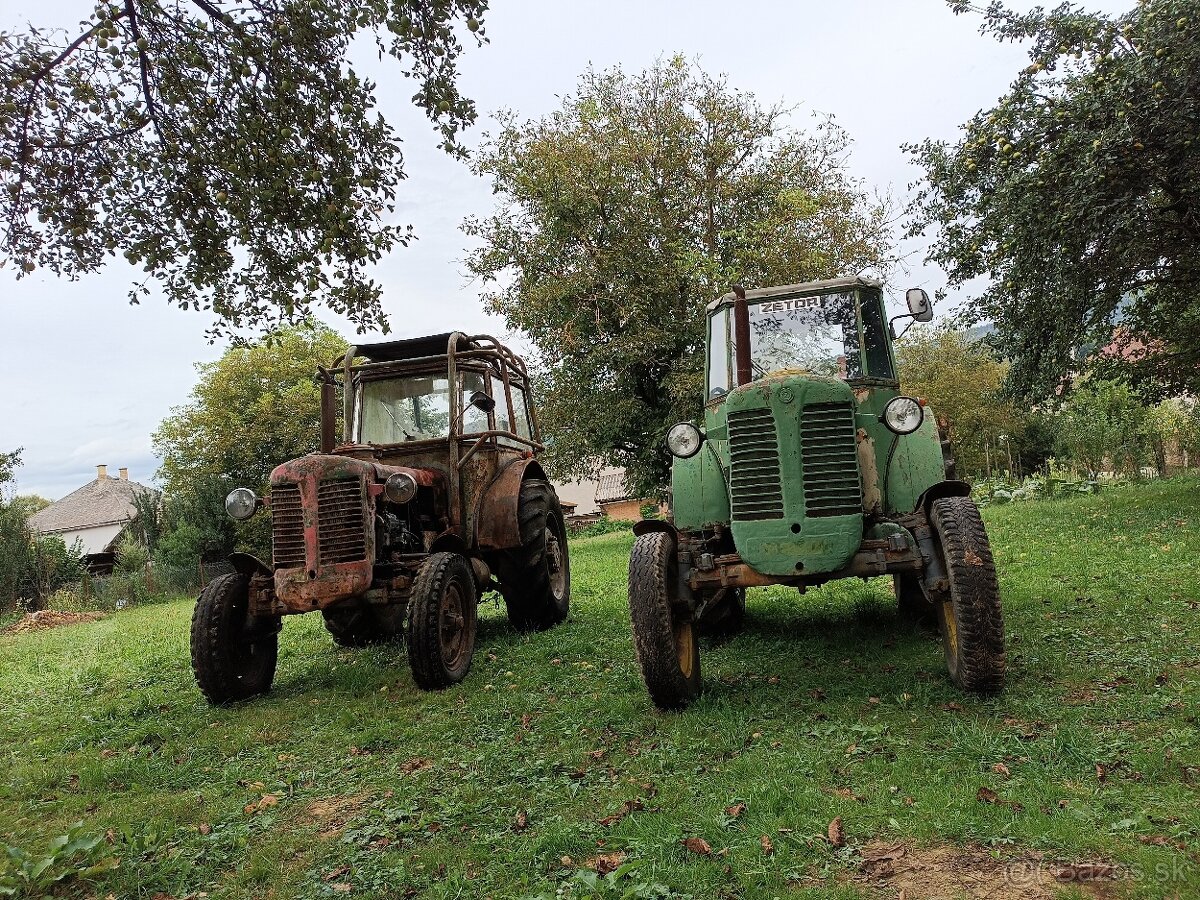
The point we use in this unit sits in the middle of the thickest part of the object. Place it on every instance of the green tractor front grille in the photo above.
(828, 452)
(755, 487)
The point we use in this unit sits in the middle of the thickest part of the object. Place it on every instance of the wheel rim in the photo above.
(556, 564)
(453, 627)
(685, 646)
(950, 633)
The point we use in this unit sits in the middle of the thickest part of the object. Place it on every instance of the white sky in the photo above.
(88, 377)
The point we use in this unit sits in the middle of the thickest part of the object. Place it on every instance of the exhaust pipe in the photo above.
(741, 336)
(328, 413)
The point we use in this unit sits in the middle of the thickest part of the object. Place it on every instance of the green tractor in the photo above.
(810, 466)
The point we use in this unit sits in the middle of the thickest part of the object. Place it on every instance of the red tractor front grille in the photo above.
(341, 521)
(287, 527)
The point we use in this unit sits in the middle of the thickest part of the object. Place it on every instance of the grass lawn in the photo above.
(549, 760)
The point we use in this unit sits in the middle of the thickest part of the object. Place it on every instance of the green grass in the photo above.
(826, 706)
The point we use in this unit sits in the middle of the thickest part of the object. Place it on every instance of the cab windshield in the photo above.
(416, 408)
(816, 335)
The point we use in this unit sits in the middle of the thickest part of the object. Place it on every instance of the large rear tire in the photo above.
(969, 617)
(362, 626)
(664, 636)
(536, 577)
(231, 661)
(443, 616)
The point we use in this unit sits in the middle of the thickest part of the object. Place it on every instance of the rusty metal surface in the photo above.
(317, 584)
(874, 557)
(741, 337)
(497, 525)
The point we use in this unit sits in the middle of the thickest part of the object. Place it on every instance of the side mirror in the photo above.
(482, 401)
(919, 305)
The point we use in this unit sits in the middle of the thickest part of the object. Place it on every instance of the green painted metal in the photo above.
(799, 465)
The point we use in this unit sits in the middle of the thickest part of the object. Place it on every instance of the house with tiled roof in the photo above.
(603, 495)
(96, 515)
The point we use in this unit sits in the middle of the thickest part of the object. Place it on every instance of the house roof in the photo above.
(99, 502)
(612, 487)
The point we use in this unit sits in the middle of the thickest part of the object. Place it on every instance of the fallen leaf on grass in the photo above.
(341, 887)
(606, 862)
(836, 833)
(416, 764)
(767, 846)
(736, 810)
(522, 821)
(205, 828)
(336, 873)
(1001, 769)
(987, 795)
(697, 845)
(266, 801)
(1101, 773)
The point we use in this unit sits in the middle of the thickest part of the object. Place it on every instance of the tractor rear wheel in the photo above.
(443, 615)
(233, 656)
(725, 614)
(969, 617)
(362, 626)
(664, 636)
(536, 577)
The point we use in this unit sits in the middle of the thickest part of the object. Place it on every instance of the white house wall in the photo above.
(94, 539)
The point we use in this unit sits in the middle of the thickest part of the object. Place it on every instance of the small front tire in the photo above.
(233, 657)
(443, 616)
(664, 636)
(969, 614)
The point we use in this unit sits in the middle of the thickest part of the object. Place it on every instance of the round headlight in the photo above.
(903, 415)
(241, 504)
(683, 440)
(400, 488)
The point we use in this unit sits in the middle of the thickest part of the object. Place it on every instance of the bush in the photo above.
(604, 525)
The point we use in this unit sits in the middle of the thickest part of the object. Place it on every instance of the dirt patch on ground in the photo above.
(332, 814)
(50, 618)
(934, 873)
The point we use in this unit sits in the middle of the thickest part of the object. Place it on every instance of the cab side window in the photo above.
(521, 412)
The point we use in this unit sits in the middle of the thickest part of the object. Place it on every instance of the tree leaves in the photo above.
(1077, 193)
(622, 214)
(234, 155)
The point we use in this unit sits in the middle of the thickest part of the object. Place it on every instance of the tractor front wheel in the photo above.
(969, 615)
(664, 635)
(443, 616)
(233, 655)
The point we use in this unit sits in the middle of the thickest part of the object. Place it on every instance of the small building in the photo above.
(96, 515)
(612, 496)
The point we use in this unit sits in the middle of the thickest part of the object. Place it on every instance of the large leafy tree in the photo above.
(254, 408)
(1078, 194)
(228, 148)
(963, 381)
(623, 213)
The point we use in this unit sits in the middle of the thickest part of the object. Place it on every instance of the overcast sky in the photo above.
(89, 377)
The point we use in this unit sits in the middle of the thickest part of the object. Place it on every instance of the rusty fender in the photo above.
(497, 524)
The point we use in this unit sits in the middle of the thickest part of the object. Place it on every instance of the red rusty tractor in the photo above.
(433, 497)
